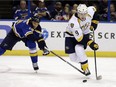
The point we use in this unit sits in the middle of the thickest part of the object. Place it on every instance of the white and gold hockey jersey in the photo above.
(77, 28)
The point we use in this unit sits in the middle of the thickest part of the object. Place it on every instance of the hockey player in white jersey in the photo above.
(77, 35)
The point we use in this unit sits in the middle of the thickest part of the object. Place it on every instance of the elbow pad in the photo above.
(94, 25)
(94, 22)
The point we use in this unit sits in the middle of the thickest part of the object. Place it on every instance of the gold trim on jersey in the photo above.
(94, 9)
(40, 40)
(28, 20)
(19, 21)
(79, 39)
(89, 42)
(84, 66)
(15, 32)
(89, 15)
(28, 33)
(38, 31)
(33, 54)
(91, 28)
(95, 21)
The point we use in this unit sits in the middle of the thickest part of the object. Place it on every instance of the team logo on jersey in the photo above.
(45, 33)
(72, 25)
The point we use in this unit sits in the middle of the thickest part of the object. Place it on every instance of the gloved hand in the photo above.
(93, 45)
(45, 51)
(91, 28)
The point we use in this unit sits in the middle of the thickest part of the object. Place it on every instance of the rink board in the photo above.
(60, 53)
(105, 36)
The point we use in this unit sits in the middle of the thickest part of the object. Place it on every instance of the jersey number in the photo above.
(76, 32)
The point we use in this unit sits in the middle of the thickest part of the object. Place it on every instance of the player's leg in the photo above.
(73, 57)
(33, 53)
(80, 52)
(70, 49)
(9, 42)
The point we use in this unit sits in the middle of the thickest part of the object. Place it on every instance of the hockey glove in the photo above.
(93, 45)
(91, 28)
(45, 51)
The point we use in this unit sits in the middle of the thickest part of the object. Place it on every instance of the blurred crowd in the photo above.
(61, 10)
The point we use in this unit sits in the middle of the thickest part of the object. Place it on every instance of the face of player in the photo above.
(82, 16)
(35, 24)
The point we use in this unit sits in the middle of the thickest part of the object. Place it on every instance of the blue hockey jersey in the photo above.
(21, 14)
(40, 10)
(23, 28)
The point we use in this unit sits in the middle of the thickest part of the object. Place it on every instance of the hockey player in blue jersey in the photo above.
(28, 31)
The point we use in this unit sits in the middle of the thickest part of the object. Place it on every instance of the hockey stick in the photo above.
(95, 61)
(68, 63)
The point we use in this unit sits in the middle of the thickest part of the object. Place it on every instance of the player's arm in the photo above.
(28, 32)
(38, 34)
(94, 22)
(93, 45)
(40, 40)
(34, 36)
(76, 31)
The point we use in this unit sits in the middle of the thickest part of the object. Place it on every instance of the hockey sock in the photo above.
(34, 57)
(84, 65)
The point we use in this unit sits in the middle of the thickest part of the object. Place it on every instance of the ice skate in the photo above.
(35, 66)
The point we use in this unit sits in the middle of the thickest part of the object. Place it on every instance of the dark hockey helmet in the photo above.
(36, 19)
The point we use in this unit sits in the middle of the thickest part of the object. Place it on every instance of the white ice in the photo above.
(17, 71)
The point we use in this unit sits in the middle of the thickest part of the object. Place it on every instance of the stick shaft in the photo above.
(95, 61)
(68, 63)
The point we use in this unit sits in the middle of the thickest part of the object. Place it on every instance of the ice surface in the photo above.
(17, 71)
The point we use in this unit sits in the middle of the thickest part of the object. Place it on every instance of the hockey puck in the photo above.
(84, 81)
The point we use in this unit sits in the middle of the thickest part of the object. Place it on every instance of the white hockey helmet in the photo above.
(82, 8)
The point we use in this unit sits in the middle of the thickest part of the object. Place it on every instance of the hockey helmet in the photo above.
(82, 8)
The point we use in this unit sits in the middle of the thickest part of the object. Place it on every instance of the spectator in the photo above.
(66, 15)
(67, 5)
(22, 12)
(104, 16)
(74, 9)
(103, 4)
(42, 11)
(33, 6)
(57, 13)
(113, 12)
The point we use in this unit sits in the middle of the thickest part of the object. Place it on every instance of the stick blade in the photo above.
(99, 77)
